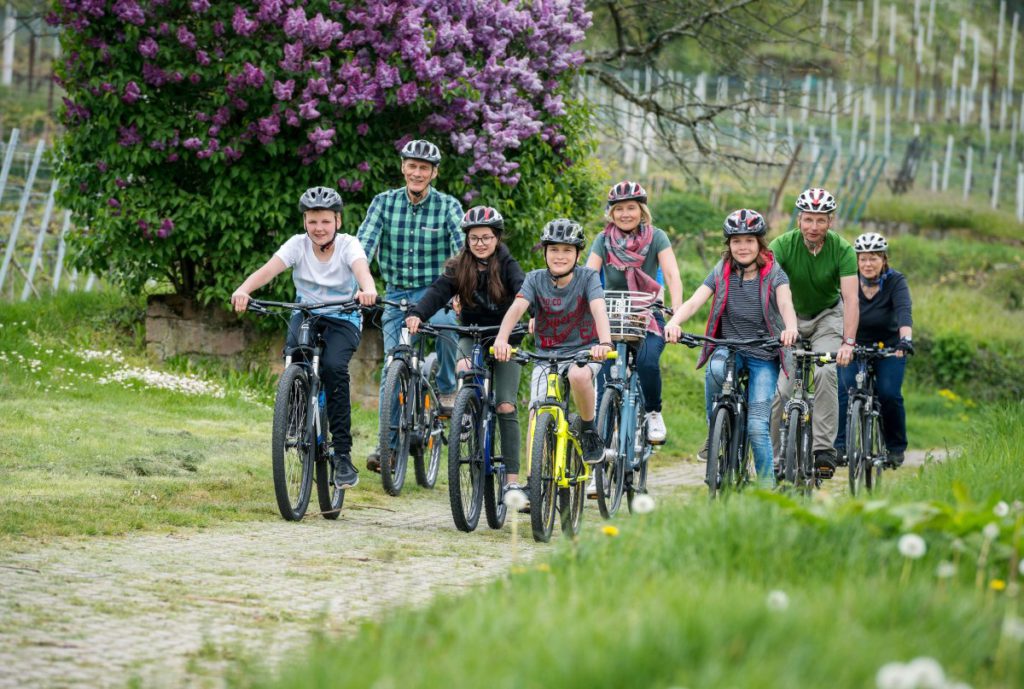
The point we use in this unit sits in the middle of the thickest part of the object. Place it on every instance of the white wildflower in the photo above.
(893, 676)
(945, 570)
(1001, 509)
(515, 500)
(926, 673)
(912, 546)
(1013, 627)
(777, 600)
(991, 531)
(642, 504)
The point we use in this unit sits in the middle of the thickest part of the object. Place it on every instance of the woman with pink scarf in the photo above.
(631, 250)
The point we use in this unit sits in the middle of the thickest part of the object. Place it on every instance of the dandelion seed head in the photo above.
(777, 600)
(515, 500)
(991, 531)
(926, 673)
(1001, 509)
(912, 546)
(945, 570)
(642, 504)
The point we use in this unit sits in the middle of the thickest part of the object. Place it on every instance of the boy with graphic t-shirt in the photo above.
(326, 266)
(570, 315)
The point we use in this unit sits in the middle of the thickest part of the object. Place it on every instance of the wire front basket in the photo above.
(628, 314)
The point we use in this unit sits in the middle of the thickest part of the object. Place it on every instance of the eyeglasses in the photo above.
(487, 239)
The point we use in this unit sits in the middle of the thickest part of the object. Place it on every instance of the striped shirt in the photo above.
(744, 316)
(411, 241)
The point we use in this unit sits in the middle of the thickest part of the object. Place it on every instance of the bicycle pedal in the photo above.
(655, 442)
(822, 472)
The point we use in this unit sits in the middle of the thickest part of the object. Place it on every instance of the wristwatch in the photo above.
(849, 341)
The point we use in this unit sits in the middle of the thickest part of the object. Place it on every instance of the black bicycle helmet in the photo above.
(483, 216)
(744, 221)
(320, 198)
(563, 231)
(626, 191)
(421, 149)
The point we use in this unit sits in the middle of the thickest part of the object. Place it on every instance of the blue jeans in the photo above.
(447, 344)
(648, 369)
(889, 388)
(764, 376)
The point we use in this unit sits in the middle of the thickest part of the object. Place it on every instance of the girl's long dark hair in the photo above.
(464, 268)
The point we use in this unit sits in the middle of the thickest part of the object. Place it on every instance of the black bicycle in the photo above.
(411, 416)
(795, 434)
(730, 458)
(865, 450)
(476, 467)
(299, 438)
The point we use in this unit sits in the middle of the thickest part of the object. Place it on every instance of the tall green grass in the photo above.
(689, 596)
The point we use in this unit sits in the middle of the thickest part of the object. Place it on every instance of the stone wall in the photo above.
(176, 326)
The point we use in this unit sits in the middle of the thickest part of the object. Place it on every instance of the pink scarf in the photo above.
(626, 251)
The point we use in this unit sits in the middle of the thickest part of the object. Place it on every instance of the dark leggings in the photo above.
(341, 340)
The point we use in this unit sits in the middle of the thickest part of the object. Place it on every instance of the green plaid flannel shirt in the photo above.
(411, 242)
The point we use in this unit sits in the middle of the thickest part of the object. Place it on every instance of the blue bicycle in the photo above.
(476, 468)
(621, 417)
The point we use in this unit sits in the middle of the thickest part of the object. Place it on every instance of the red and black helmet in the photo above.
(816, 200)
(626, 191)
(483, 216)
(744, 221)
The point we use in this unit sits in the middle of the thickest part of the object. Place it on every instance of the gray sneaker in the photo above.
(345, 475)
(702, 453)
(593, 448)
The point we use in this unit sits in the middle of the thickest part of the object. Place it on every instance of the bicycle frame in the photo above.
(864, 391)
(556, 404)
(619, 378)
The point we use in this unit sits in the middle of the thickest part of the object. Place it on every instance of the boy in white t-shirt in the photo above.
(326, 266)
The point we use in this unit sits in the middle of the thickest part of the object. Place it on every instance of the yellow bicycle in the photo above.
(558, 474)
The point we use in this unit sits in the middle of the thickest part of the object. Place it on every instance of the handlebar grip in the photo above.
(612, 355)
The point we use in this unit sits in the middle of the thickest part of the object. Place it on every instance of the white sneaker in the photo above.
(656, 430)
(592, 488)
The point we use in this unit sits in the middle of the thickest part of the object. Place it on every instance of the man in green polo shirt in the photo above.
(822, 270)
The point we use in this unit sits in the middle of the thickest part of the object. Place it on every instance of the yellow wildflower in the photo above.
(609, 530)
(997, 585)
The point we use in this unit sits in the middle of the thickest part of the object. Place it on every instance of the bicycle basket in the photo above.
(628, 314)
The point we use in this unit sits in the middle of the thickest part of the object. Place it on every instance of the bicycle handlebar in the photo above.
(260, 305)
(691, 340)
(580, 358)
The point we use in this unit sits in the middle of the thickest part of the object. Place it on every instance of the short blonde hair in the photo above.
(645, 213)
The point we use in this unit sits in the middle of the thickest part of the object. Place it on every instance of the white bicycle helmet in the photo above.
(320, 198)
(816, 200)
(870, 242)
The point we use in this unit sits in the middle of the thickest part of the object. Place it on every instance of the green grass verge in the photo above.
(759, 591)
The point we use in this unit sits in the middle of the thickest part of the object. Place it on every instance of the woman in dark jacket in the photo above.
(886, 317)
(484, 278)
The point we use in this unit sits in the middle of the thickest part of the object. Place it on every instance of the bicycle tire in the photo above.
(637, 477)
(857, 458)
(719, 443)
(292, 444)
(741, 454)
(791, 448)
(426, 454)
(396, 420)
(873, 445)
(465, 461)
(330, 497)
(811, 480)
(570, 498)
(542, 477)
(494, 482)
(610, 476)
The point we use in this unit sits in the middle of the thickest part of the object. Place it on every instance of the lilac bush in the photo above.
(218, 113)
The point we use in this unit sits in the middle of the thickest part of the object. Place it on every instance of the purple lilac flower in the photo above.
(221, 116)
(292, 61)
(344, 184)
(406, 93)
(143, 225)
(231, 153)
(362, 129)
(172, 157)
(163, 29)
(129, 11)
(269, 11)
(101, 166)
(363, 166)
(268, 128)
(218, 28)
(194, 78)
(253, 75)
(157, 145)
(294, 22)
(113, 203)
(128, 136)
(322, 32)
(193, 144)
(131, 93)
(148, 47)
(241, 23)
(186, 37)
(120, 183)
(166, 227)
(291, 118)
(153, 75)
(199, 5)
(308, 111)
(283, 89)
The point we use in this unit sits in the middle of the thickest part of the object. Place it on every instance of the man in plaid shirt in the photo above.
(412, 230)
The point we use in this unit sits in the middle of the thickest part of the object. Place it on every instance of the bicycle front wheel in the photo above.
(571, 497)
(427, 453)
(293, 444)
(609, 477)
(465, 461)
(396, 421)
(637, 477)
(873, 450)
(719, 442)
(791, 447)
(856, 456)
(494, 482)
(330, 497)
(542, 476)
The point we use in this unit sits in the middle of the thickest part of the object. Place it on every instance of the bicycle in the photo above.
(411, 417)
(730, 457)
(556, 456)
(621, 416)
(299, 436)
(865, 451)
(476, 469)
(795, 433)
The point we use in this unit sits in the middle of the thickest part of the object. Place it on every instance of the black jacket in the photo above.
(483, 312)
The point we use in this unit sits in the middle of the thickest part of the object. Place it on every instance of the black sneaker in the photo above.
(373, 461)
(593, 448)
(841, 458)
(896, 459)
(825, 463)
(345, 475)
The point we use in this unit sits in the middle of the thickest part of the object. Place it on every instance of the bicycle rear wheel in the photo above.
(792, 450)
(856, 439)
(610, 476)
(328, 495)
(542, 476)
(292, 446)
(427, 451)
(873, 450)
(396, 422)
(465, 461)
(494, 482)
(571, 498)
(718, 468)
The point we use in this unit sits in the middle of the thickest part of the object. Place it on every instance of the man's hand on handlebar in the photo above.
(240, 301)
(502, 351)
